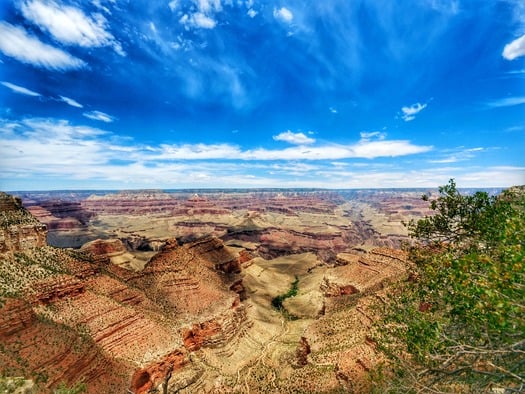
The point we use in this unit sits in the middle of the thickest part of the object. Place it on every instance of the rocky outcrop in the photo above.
(19, 230)
(104, 248)
(213, 249)
(302, 352)
(159, 373)
(364, 273)
(191, 278)
(200, 334)
(105, 251)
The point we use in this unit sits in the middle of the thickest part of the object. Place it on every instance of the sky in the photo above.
(133, 94)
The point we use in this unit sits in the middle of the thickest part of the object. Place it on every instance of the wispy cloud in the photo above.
(20, 89)
(98, 115)
(367, 136)
(458, 155)
(294, 138)
(507, 102)
(71, 102)
(283, 14)
(15, 42)
(69, 25)
(410, 112)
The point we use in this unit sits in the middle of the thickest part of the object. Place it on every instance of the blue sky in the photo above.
(245, 93)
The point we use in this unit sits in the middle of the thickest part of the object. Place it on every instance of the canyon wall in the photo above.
(176, 295)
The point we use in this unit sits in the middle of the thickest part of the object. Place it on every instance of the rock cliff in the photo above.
(19, 230)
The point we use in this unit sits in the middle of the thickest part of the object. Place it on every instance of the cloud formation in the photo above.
(294, 138)
(15, 42)
(283, 14)
(514, 49)
(409, 113)
(98, 115)
(51, 149)
(198, 19)
(69, 25)
(20, 89)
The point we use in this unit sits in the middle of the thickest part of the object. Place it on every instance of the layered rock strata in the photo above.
(198, 315)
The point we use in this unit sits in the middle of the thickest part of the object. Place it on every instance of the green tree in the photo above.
(458, 323)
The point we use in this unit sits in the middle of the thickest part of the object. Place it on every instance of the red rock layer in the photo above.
(149, 377)
(51, 353)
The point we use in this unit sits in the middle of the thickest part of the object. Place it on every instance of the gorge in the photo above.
(153, 291)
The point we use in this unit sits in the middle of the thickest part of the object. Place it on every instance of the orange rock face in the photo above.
(197, 336)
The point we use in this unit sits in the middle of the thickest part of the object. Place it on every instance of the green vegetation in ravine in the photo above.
(277, 302)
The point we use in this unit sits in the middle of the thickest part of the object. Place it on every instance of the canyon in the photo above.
(155, 291)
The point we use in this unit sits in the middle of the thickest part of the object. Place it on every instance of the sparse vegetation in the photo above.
(458, 324)
(20, 270)
(76, 389)
(15, 385)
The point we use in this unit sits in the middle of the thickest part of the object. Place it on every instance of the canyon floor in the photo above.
(213, 292)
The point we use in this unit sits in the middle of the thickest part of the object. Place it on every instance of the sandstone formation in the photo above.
(18, 228)
(173, 293)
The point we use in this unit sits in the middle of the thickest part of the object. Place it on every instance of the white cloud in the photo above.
(251, 13)
(333, 110)
(409, 113)
(173, 5)
(201, 20)
(98, 115)
(71, 102)
(201, 14)
(507, 102)
(15, 42)
(20, 89)
(208, 5)
(198, 20)
(373, 149)
(514, 49)
(294, 138)
(283, 14)
(196, 152)
(70, 25)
